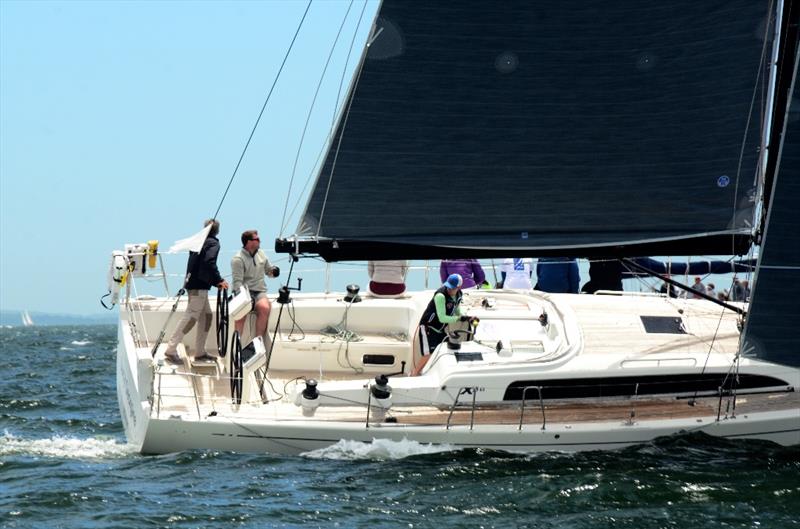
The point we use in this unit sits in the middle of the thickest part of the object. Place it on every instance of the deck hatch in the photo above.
(468, 357)
(663, 324)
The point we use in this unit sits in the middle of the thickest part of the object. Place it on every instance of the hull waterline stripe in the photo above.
(555, 443)
(761, 433)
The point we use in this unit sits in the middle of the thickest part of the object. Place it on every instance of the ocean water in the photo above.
(64, 463)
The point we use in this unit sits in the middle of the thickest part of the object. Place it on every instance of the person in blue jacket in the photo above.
(557, 275)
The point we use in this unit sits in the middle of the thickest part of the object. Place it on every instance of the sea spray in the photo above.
(378, 449)
(64, 447)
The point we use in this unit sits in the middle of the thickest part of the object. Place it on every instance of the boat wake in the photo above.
(378, 449)
(65, 447)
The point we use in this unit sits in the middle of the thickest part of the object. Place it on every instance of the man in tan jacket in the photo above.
(249, 267)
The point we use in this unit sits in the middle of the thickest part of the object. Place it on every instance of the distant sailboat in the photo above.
(26, 319)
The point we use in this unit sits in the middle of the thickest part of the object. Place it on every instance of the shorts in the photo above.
(254, 297)
(429, 340)
(386, 289)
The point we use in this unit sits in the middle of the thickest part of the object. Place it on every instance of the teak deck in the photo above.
(601, 411)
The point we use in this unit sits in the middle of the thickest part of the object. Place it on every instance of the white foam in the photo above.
(378, 449)
(80, 342)
(65, 447)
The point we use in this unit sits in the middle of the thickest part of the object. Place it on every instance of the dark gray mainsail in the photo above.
(771, 329)
(562, 128)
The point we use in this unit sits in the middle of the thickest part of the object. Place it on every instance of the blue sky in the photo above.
(123, 121)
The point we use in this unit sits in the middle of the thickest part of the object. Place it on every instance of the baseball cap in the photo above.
(453, 281)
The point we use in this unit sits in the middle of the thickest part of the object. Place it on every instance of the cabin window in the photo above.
(627, 386)
(378, 360)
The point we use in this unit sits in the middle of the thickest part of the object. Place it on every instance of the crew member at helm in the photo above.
(201, 274)
(249, 267)
(444, 308)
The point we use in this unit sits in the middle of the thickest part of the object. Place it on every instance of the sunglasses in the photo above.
(255, 239)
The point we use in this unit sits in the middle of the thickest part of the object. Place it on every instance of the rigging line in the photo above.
(322, 151)
(711, 349)
(313, 171)
(263, 107)
(310, 112)
(747, 125)
(745, 297)
(332, 129)
(292, 313)
(640, 279)
(344, 70)
(734, 388)
(341, 136)
(686, 288)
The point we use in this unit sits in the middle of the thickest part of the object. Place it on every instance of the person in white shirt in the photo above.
(387, 278)
(711, 290)
(516, 273)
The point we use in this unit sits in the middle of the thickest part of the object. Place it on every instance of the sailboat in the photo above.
(27, 321)
(611, 132)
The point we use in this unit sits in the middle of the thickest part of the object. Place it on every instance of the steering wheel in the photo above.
(236, 369)
(222, 322)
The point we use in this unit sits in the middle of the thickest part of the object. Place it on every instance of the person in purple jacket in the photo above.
(469, 269)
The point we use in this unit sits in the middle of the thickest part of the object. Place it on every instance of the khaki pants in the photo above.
(197, 311)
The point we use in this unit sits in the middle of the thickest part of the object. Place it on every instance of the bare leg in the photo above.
(428, 344)
(263, 308)
(418, 368)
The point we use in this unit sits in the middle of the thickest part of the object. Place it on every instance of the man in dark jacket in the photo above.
(201, 274)
(604, 274)
(557, 275)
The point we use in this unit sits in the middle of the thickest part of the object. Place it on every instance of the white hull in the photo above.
(294, 437)
(168, 409)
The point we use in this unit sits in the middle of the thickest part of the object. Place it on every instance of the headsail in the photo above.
(580, 128)
(771, 330)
